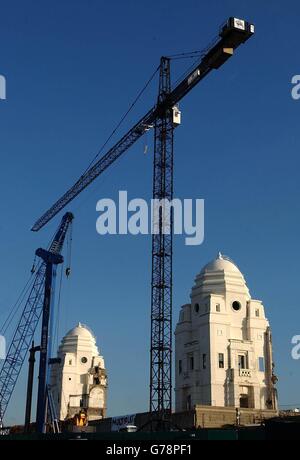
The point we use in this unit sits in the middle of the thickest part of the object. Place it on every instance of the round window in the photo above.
(236, 305)
(84, 360)
(196, 307)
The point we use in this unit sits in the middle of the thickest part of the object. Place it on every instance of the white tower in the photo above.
(223, 344)
(78, 380)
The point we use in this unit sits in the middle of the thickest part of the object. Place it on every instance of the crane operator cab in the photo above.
(176, 116)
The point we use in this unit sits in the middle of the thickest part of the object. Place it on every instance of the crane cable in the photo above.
(67, 272)
(69, 250)
(15, 308)
(190, 55)
(186, 72)
(58, 309)
(122, 118)
(175, 56)
(186, 55)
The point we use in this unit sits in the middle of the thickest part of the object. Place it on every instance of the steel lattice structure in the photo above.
(28, 322)
(161, 285)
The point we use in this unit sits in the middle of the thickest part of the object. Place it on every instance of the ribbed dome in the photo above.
(220, 276)
(81, 330)
(221, 263)
(80, 338)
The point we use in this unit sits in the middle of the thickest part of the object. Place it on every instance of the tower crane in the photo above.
(164, 116)
(38, 303)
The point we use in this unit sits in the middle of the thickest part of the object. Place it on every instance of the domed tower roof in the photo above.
(219, 276)
(81, 330)
(80, 338)
(221, 263)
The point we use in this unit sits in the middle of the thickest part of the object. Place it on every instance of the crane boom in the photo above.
(92, 173)
(231, 35)
(26, 327)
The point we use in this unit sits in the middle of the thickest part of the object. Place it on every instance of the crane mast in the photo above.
(161, 284)
(24, 333)
(51, 260)
(232, 34)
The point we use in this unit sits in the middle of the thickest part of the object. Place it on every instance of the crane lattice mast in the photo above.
(24, 333)
(161, 285)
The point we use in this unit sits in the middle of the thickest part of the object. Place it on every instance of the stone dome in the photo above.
(221, 263)
(219, 276)
(81, 330)
(80, 338)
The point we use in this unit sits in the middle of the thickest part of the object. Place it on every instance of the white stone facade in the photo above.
(79, 380)
(223, 344)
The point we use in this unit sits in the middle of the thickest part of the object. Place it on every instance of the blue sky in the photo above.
(72, 70)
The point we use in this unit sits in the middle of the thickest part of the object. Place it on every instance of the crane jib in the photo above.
(232, 34)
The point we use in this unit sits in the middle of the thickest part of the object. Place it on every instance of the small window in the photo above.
(70, 378)
(192, 363)
(257, 313)
(204, 361)
(221, 360)
(236, 305)
(242, 361)
(70, 362)
(261, 364)
(84, 360)
(189, 402)
(218, 307)
(180, 366)
(181, 317)
(196, 308)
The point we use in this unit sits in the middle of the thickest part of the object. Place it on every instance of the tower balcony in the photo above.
(245, 373)
(241, 374)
